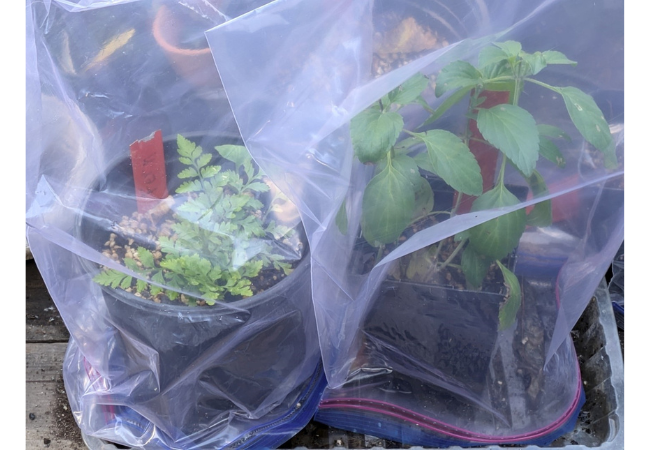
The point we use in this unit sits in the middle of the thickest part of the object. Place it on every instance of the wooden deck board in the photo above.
(50, 423)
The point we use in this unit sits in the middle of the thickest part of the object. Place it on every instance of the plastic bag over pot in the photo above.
(444, 156)
(178, 266)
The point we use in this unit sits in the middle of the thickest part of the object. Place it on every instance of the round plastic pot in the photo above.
(245, 349)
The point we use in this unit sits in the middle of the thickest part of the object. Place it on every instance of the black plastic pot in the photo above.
(239, 352)
(446, 333)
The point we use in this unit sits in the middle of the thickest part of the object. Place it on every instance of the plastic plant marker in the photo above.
(149, 173)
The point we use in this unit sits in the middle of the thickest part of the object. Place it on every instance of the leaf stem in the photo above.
(380, 253)
(547, 86)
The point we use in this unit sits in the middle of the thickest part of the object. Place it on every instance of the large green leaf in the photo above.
(549, 151)
(512, 130)
(508, 310)
(474, 266)
(499, 236)
(555, 57)
(452, 160)
(423, 198)
(553, 132)
(374, 132)
(458, 74)
(588, 118)
(410, 90)
(423, 161)
(388, 203)
(490, 56)
(510, 48)
(535, 62)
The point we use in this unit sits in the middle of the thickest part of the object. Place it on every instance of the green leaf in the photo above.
(474, 266)
(185, 146)
(490, 56)
(423, 161)
(189, 186)
(258, 187)
(210, 171)
(109, 277)
(510, 48)
(373, 133)
(541, 215)
(204, 160)
(588, 119)
(553, 132)
(188, 173)
(549, 151)
(508, 310)
(496, 238)
(452, 160)
(235, 153)
(535, 62)
(388, 204)
(448, 103)
(554, 57)
(126, 282)
(140, 285)
(423, 198)
(458, 74)
(410, 90)
(407, 167)
(512, 130)
(342, 219)
(405, 145)
(186, 161)
(146, 257)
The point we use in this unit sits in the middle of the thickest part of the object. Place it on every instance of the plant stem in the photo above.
(454, 253)
(380, 253)
(547, 86)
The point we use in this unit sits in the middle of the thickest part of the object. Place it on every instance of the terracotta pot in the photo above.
(196, 65)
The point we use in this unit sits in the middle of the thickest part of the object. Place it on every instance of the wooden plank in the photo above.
(50, 423)
(44, 324)
(44, 361)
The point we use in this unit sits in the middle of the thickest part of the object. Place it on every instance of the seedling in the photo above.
(398, 196)
(218, 239)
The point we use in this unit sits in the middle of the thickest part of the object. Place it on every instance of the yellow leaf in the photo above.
(111, 47)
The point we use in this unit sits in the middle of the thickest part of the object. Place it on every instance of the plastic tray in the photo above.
(600, 423)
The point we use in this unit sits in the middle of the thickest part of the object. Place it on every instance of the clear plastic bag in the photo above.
(326, 95)
(180, 269)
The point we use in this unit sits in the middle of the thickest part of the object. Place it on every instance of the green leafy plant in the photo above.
(398, 196)
(218, 239)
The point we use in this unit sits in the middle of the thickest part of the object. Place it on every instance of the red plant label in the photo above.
(149, 176)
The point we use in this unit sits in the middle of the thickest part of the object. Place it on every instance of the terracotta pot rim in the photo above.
(161, 15)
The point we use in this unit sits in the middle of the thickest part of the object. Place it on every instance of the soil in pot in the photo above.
(234, 349)
(407, 31)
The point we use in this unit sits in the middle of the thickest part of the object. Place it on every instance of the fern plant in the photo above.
(398, 196)
(219, 239)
